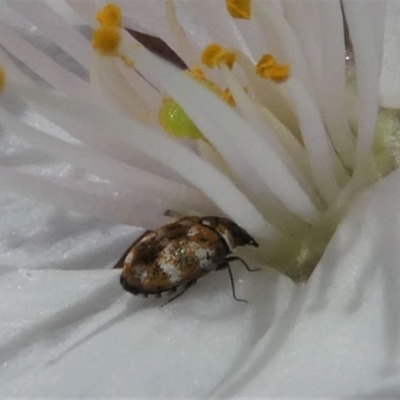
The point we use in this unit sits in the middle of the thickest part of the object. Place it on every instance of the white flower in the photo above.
(67, 328)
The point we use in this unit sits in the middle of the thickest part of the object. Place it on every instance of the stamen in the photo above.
(176, 122)
(239, 8)
(269, 68)
(110, 15)
(215, 55)
(217, 187)
(256, 119)
(216, 122)
(2, 78)
(106, 40)
(198, 74)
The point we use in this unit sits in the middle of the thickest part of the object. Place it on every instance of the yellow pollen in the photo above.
(128, 62)
(230, 59)
(239, 8)
(2, 78)
(280, 73)
(227, 96)
(106, 40)
(110, 15)
(214, 55)
(266, 62)
(269, 68)
(197, 73)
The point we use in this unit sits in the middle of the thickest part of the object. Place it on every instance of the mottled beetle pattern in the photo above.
(176, 255)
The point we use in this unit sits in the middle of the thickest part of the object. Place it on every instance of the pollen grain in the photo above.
(106, 40)
(267, 67)
(215, 55)
(240, 9)
(110, 15)
(228, 97)
(2, 78)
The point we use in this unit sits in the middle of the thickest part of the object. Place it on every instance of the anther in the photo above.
(2, 78)
(215, 55)
(106, 40)
(239, 8)
(110, 15)
(269, 68)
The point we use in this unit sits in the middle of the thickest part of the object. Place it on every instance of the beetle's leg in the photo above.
(236, 258)
(186, 287)
(233, 284)
(226, 265)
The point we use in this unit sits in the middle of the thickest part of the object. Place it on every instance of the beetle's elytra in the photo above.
(176, 255)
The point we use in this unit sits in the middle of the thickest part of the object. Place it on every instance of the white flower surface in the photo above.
(67, 329)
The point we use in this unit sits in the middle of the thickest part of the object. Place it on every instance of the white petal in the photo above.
(75, 333)
(390, 75)
(340, 337)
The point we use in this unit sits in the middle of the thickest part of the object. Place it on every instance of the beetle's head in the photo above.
(231, 232)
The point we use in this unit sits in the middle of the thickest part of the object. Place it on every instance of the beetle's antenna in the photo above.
(173, 214)
(120, 262)
(236, 258)
(233, 285)
(179, 213)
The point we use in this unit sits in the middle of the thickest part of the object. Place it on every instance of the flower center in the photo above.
(275, 145)
(294, 132)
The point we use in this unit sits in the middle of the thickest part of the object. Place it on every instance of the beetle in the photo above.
(176, 255)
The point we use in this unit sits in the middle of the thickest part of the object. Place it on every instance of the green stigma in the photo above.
(176, 122)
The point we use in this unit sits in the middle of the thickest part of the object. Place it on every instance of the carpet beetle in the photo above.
(176, 255)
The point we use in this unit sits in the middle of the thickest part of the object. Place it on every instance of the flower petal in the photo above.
(390, 77)
(347, 313)
(75, 333)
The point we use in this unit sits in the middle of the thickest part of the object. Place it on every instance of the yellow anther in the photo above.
(280, 73)
(214, 55)
(106, 40)
(239, 8)
(267, 61)
(269, 68)
(2, 78)
(197, 73)
(230, 59)
(110, 15)
(227, 96)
